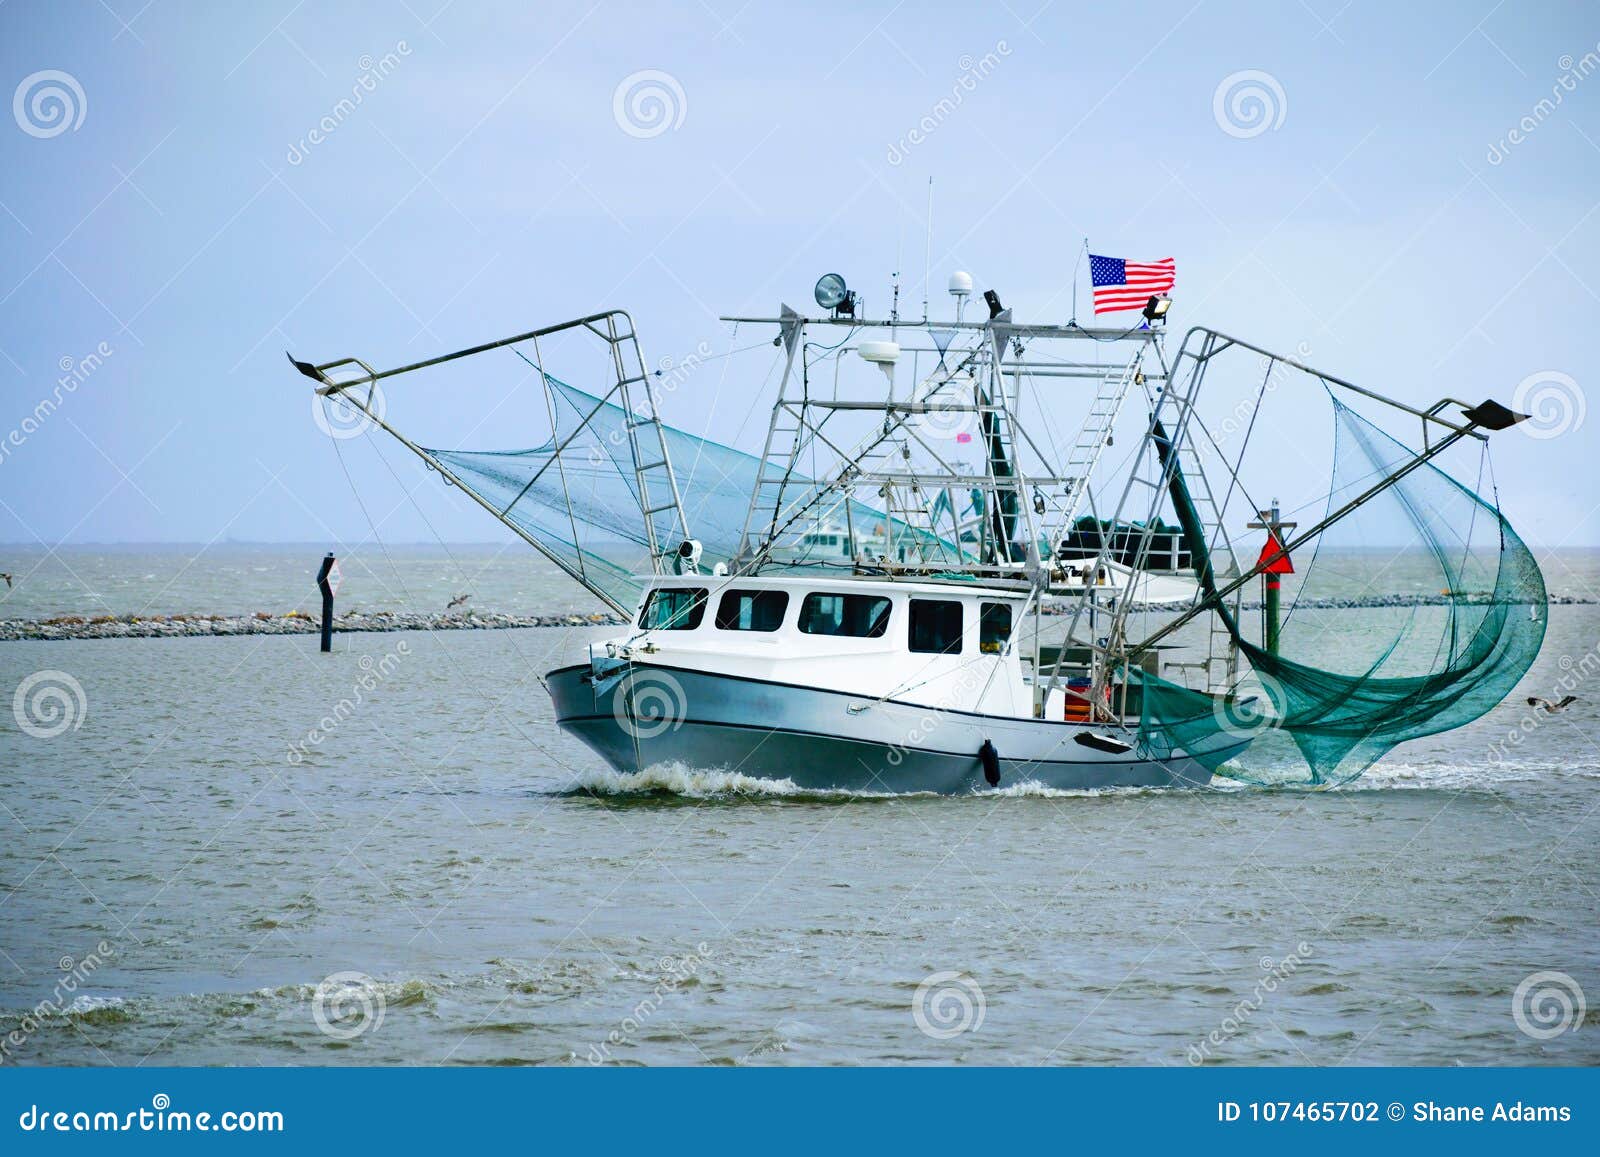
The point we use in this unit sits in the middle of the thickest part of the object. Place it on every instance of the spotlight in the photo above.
(1156, 308)
(832, 293)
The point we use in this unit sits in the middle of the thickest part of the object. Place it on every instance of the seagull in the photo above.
(457, 601)
(1549, 707)
(7, 577)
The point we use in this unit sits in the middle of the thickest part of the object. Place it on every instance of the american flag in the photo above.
(1120, 284)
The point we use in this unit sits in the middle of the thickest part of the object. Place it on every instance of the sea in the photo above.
(239, 851)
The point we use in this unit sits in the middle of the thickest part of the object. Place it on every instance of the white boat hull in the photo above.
(816, 738)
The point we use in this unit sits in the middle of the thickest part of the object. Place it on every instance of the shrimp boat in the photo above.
(974, 554)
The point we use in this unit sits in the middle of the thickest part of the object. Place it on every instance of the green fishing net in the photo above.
(1416, 614)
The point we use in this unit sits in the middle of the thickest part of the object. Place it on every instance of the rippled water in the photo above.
(514, 901)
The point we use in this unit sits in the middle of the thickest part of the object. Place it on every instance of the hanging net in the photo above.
(1417, 613)
(577, 495)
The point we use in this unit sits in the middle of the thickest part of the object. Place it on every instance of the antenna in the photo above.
(927, 261)
(899, 246)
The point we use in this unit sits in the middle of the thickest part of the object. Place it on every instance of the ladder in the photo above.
(1092, 438)
(1000, 454)
(1174, 413)
(659, 499)
(786, 440)
(1143, 495)
(1220, 649)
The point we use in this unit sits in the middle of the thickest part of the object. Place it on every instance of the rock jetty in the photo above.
(289, 623)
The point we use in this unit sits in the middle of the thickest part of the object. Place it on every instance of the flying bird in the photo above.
(1549, 707)
(457, 601)
(7, 577)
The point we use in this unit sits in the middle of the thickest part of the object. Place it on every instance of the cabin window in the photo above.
(854, 616)
(673, 609)
(994, 627)
(752, 610)
(936, 626)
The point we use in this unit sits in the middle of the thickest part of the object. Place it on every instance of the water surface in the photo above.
(516, 902)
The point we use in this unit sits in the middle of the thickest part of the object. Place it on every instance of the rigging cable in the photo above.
(383, 546)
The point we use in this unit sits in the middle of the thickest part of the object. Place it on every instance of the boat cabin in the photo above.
(944, 644)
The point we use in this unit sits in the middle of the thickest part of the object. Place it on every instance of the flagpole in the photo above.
(1077, 266)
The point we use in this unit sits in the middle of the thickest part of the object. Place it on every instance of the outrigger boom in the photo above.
(614, 327)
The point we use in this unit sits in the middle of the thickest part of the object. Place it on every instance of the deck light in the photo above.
(1156, 308)
(832, 293)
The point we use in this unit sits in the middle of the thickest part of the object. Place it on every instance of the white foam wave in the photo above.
(83, 1004)
(1033, 789)
(680, 779)
(1452, 776)
(697, 783)
(1401, 775)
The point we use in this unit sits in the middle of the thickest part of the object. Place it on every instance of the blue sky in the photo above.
(182, 221)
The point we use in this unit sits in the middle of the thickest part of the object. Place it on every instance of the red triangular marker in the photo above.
(1272, 547)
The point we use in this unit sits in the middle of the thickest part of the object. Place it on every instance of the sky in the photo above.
(1405, 193)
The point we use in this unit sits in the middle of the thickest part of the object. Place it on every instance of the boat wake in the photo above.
(1404, 776)
(1466, 776)
(678, 780)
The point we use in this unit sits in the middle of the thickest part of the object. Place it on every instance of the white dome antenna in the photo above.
(883, 354)
(960, 289)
